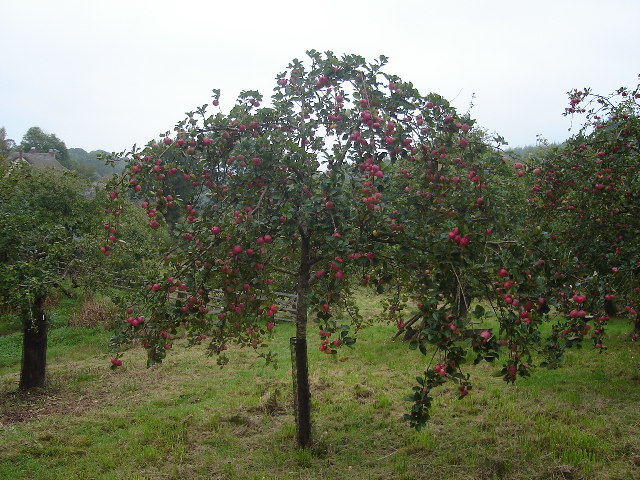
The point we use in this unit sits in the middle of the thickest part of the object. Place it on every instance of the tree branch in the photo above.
(409, 322)
(282, 270)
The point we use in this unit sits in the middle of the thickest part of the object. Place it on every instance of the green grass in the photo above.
(9, 323)
(62, 309)
(65, 344)
(189, 419)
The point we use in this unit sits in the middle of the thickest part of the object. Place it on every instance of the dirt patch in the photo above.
(19, 407)
(61, 397)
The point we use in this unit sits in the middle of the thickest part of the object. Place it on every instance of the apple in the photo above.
(322, 82)
(579, 298)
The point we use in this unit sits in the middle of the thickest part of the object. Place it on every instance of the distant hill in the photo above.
(531, 151)
(89, 165)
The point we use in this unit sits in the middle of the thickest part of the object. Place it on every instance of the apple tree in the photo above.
(586, 197)
(348, 176)
(44, 215)
(289, 197)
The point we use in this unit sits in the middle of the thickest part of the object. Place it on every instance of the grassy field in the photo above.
(188, 419)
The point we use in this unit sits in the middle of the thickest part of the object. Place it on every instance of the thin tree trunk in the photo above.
(610, 308)
(463, 302)
(302, 390)
(34, 347)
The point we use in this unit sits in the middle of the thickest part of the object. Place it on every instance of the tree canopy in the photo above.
(6, 144)
(45, 216)
(352, 177)
(36, 138)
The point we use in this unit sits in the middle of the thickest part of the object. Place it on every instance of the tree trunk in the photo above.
(610, 308)
(463, 302)
(301, 370)
(34, 347)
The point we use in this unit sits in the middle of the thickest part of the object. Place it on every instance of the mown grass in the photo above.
(190, 419)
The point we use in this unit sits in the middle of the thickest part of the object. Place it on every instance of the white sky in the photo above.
(108, 74)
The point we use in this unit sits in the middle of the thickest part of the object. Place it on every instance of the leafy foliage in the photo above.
(351, 176)
(6, 144)
(43, 217)
(586, 199)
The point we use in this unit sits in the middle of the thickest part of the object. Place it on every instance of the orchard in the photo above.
(349, 178)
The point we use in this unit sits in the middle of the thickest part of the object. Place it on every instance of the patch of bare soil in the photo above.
(57, 399)
(19, 407)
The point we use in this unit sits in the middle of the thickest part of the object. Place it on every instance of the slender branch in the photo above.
(408, 323)
(282, 270)
(317, 259)
(460, 290)
(67, 293)
(264, 190)
(352, 315)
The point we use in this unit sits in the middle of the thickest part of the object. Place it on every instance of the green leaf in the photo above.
(479, 311)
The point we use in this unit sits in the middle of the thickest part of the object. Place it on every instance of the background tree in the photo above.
(90, 164)
(43, 142)
(586, 197)
(43, 217)
(6, 144)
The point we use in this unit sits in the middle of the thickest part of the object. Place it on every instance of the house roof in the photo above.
(38, 160)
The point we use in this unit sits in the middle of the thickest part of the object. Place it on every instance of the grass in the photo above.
(189, 419)
(9, 323)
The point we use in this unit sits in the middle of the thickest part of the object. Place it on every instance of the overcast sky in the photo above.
(113, 73)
